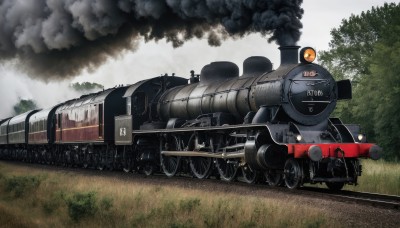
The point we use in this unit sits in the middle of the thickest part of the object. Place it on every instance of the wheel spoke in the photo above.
(249, 176)
(226, 169)
(170, 164)
(273, 178)
(201, 167)
(293, 174)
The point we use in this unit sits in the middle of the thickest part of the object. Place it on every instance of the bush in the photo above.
(20, 185)
(82, 205)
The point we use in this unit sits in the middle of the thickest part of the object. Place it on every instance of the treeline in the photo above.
(366, 50)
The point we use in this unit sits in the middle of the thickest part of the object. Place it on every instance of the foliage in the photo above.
(20, 185)
(353, 42)
(365, 49)
(85, 87)
(82, 205)
(24, 106)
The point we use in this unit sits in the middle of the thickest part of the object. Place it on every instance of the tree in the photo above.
(366, 50)
(385, 93)
(353, 42)
(24, 106)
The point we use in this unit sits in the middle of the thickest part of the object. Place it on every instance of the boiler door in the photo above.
(311, 97)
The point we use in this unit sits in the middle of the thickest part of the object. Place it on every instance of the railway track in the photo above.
(374, 199)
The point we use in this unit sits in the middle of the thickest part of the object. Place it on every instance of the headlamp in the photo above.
(299, 138)
(360, 137)
(307, 55)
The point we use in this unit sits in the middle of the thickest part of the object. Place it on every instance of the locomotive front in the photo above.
(304, 92)
(304, 96)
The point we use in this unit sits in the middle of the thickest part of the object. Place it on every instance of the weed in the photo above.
(82, 205)
(20, 185)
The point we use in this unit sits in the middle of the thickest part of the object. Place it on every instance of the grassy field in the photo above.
(378, 176)
(35, 198)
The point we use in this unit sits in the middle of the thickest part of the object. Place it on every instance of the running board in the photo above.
(238, 154)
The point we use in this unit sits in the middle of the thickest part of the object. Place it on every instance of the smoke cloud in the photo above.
(54, 39)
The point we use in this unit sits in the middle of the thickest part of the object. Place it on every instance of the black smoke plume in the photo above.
(53, 39)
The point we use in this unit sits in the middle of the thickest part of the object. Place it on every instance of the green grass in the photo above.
(379, 177)
(31, 197)
(63, 199)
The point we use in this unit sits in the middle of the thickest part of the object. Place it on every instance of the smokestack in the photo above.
(289, 54)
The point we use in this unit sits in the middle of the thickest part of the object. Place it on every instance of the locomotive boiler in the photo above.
(303, 92)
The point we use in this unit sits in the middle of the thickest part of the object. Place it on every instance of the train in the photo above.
(266, 125)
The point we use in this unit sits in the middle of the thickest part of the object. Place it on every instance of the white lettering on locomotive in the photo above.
(315, 93)
(122, 131)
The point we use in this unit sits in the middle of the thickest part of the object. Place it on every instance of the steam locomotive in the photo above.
(266, 124)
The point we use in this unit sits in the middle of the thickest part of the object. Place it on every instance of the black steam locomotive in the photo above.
(267, 123)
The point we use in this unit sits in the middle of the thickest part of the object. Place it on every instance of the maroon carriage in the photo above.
(89, 119)
(85, 128)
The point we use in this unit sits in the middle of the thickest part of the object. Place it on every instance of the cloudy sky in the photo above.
(156, 58)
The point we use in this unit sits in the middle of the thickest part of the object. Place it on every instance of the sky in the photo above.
(155, 58)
